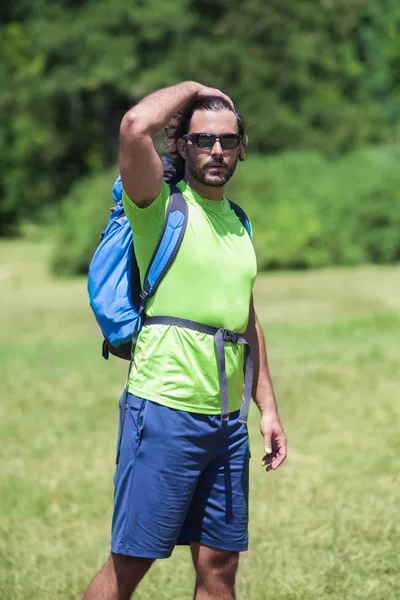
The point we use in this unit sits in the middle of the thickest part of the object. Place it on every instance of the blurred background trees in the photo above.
(317, 81)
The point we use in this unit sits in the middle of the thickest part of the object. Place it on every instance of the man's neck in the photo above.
(205, 191)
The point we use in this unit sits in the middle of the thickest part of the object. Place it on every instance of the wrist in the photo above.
(264, 397)
(270, 412)
(270, 415)
(267, 406)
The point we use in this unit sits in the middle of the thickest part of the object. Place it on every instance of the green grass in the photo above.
(325, 525)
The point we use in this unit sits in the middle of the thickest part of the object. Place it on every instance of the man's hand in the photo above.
(274, 440)
(205, 91)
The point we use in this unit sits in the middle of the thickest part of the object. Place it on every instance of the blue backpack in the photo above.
(116, 296)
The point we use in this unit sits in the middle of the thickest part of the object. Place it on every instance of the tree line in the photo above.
(320, 75)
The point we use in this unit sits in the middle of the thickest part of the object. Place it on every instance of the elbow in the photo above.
(136, 124)
(130, 124)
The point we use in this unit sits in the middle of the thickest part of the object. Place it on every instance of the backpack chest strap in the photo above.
(220, 336)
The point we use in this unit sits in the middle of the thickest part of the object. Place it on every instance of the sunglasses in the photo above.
(228, 141)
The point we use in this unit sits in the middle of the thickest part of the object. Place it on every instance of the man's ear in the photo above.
(181, 145)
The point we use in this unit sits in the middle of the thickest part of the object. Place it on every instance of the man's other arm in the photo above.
(263, 395)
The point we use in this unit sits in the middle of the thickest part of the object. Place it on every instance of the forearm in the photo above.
(153, 112)
(263, 392)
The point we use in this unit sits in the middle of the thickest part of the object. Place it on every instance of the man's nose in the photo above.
(217, 148)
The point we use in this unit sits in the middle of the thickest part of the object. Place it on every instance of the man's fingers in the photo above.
(278, 460)
(207, 91)
(267, 460)
(272, 463)
(280, 455)
(268, 450)
(274, 442)
(267, 443)
(229, 100)
(273, 459)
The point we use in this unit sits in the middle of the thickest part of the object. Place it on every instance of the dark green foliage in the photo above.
(307, 75)
(81, 219)
(306, 211)
(68, 72)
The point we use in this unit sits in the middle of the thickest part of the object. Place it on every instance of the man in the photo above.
(182, 475)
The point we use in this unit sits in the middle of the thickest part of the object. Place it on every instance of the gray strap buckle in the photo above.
(230, 336)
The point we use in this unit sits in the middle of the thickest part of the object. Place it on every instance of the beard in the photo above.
(205, 176)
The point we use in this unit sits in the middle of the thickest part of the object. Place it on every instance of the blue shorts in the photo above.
(181, 477)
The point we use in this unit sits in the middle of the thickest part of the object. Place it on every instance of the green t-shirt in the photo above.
(210, 281)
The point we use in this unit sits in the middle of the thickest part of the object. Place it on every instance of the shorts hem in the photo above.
(215, 544)
(120, 549)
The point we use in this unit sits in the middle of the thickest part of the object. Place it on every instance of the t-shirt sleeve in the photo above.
(146, 222)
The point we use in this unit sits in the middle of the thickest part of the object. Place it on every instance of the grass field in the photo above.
(325, 526)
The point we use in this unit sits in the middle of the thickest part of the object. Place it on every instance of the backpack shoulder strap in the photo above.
(241, 215)
(117, 191)
(169, 243)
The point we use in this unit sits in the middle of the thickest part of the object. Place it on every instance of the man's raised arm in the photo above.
(141, 167)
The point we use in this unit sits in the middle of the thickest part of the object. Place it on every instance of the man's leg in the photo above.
(118, 579)
(161, 456)
(215, 572)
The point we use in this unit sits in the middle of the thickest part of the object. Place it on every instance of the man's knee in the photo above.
(216, 565)
(129, 570)
(118, 578)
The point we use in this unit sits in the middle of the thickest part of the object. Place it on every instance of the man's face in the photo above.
(212, 166)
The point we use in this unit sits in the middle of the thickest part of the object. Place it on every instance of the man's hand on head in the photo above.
(275, 444)
(205, 92)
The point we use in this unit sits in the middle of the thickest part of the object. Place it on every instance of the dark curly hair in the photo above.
(180, 123)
